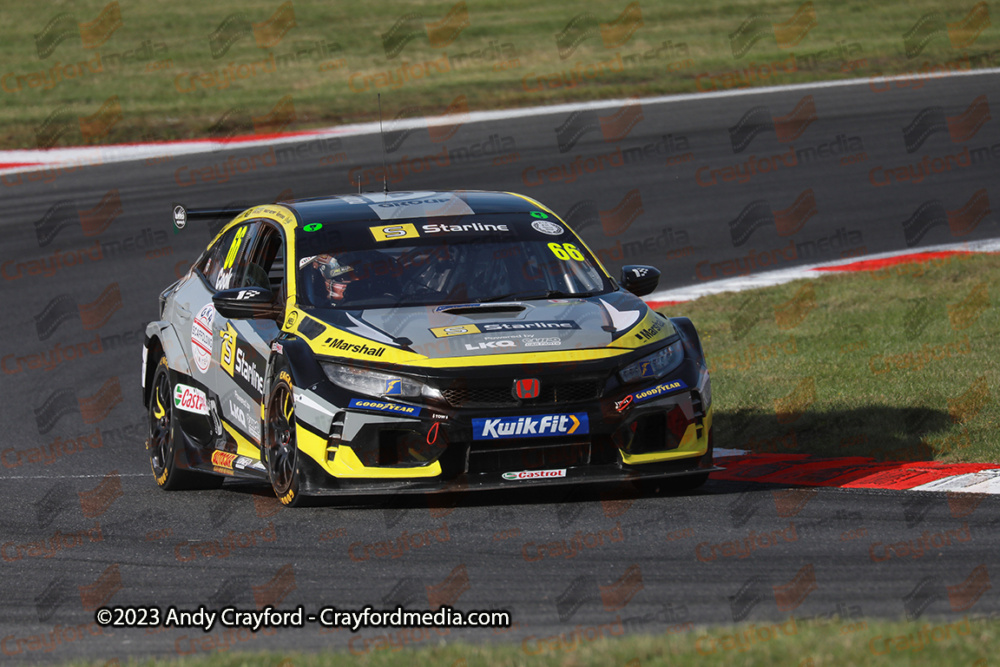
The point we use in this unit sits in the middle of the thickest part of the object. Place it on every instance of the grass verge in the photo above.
(155, 71)
(967, 641)
(896, 364)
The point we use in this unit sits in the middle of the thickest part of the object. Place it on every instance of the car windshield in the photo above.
(441, 261)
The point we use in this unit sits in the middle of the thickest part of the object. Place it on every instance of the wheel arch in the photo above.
(161, 337)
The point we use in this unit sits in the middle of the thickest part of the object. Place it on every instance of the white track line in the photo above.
(38, 159)
(782, 276)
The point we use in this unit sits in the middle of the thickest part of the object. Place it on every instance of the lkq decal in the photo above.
(491, 345)
(538, 426)
(190, 399)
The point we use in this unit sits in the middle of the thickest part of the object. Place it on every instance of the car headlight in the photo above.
(380, 385)
(655, 365)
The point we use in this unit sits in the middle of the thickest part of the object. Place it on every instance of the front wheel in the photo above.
(161, 445)
(281, 453)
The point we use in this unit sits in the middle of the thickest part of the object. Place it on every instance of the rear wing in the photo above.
(182, 214)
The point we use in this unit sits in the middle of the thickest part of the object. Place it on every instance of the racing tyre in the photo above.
(281, 454)
(162, 452)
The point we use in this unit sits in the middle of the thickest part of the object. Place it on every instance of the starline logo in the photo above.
(786, 222)
(92, 315)
(92, 33)
(961, 34)
(92, 409)
(960, 222)
(759, 119)
(266, 34)
(439, 33)
(931, 120)
(786, 33)
(613, 127)
(65, 214)
(613, 34)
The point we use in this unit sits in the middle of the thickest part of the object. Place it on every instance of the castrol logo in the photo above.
(190, 399)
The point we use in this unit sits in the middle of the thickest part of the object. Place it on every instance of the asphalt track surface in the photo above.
(639, 564)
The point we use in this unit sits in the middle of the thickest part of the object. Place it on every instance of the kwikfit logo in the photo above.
(538, 426)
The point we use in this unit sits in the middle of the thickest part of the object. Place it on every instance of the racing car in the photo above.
(417, 342)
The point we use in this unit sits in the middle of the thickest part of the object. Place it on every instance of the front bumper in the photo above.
(653, 435)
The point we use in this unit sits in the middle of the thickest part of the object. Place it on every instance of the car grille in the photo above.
(552, 393)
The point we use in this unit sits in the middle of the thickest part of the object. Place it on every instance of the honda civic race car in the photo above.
(417, 341)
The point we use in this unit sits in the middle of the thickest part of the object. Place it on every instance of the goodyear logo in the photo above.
(382, 406)
(659, 390)
(394, 387)
(536, 426)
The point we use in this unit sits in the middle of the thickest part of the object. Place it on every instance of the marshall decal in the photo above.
(241, 362)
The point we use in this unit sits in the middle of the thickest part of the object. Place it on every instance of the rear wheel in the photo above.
(161, 446)
(281, 452)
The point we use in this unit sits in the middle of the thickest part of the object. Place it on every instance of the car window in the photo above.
(225, 264)
(265, 265)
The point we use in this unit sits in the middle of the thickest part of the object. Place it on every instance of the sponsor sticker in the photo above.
(190, 399)
(223, 459)
(533, 426)
(242, 362)
(430, 206)
(201, 337)
(542, 342)
(393, 387)
(490, 327)
(393, 232)
(547, 227)
(245, 462)
(383, 406)
(659, 390)
(534, 474)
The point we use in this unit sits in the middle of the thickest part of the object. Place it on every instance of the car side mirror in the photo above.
(246, 303)
(640, 280)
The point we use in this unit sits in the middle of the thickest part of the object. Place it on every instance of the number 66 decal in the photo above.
(566, 251)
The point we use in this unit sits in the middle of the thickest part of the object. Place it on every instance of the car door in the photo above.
(244, 345)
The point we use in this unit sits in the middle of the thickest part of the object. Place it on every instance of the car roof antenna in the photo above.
(385, 171)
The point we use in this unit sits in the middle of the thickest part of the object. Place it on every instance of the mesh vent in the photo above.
(552, 393)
